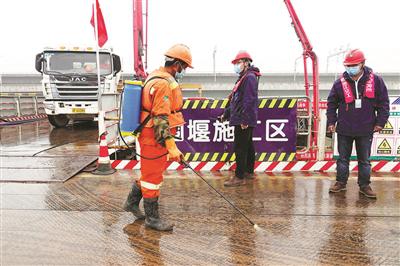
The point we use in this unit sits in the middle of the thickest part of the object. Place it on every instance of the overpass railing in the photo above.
(21, 104)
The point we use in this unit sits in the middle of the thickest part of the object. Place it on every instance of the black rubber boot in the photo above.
(132, 202)
(153, 218)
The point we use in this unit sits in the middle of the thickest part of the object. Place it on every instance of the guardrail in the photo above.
(21, 104)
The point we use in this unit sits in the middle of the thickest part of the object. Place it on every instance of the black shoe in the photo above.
(153, 219)
(132, 202)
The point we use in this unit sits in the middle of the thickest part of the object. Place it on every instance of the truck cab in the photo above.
(70, 84)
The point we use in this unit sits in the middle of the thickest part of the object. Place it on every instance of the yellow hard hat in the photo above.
(181, 52)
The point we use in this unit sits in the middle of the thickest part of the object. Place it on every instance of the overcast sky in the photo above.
(260, 26)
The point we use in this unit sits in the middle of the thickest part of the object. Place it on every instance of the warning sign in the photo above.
(388, 129)
(384, 147)
(398, 125)
(397, 151)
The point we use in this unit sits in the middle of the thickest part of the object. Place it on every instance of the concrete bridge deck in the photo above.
(81, 222)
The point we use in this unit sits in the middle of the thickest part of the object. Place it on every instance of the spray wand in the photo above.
(187, 165)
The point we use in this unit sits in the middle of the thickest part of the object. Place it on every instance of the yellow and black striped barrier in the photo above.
(221, 104)
(277, 103)
(230, 157)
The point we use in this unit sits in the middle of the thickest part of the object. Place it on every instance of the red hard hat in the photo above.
(354, 57)
(242, 55)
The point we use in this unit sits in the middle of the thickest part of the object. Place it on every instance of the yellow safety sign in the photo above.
(388, 129)
(384, 147)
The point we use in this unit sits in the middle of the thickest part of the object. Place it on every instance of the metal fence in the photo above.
(20, 104)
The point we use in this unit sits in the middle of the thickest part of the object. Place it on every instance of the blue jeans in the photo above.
(363, 149)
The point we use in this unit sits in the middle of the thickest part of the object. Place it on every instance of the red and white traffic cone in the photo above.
(103, 163)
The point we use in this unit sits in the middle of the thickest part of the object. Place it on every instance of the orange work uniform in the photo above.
(161, 97)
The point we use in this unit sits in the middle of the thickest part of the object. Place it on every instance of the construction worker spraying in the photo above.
(160, 116)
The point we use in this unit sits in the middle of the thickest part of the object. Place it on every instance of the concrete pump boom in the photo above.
(308, 53)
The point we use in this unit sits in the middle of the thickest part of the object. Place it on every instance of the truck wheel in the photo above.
(58, 120)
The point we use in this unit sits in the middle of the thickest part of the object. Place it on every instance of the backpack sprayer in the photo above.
(130, 107)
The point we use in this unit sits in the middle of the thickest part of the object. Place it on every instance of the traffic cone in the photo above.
(103, 163)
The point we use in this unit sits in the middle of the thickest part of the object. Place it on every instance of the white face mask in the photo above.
(179, 75)
(353, 71)
(237, 68)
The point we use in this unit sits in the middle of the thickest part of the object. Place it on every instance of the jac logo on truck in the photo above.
(78, 79)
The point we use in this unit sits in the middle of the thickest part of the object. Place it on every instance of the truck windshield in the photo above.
(76, 63)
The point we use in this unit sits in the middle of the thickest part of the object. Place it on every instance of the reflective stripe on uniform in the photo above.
(173, 84)
(151, 186)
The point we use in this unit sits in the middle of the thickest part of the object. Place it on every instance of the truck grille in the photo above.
(78, 89)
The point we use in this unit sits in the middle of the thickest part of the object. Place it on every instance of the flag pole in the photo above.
(99, 91)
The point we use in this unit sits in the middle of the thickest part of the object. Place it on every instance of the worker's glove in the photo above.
(174, 154)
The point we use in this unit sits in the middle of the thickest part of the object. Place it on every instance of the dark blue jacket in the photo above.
(361, 121)
(243, 106)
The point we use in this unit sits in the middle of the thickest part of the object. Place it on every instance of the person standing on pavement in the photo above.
(161, 115)
(242, 114)
(358, 106)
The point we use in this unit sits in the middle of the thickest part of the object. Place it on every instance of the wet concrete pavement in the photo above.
(81, 222)
(40, 139)
(36, 152)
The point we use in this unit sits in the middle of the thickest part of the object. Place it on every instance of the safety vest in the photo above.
(163, 78)
(369, 90)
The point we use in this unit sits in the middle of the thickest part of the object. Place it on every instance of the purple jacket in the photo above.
(361, 121)
(243, 106)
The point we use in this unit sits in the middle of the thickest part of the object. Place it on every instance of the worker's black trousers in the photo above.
(244, 151)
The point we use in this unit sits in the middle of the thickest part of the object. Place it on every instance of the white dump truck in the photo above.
(70, 84)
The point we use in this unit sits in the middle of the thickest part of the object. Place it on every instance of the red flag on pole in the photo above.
(101, 25)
